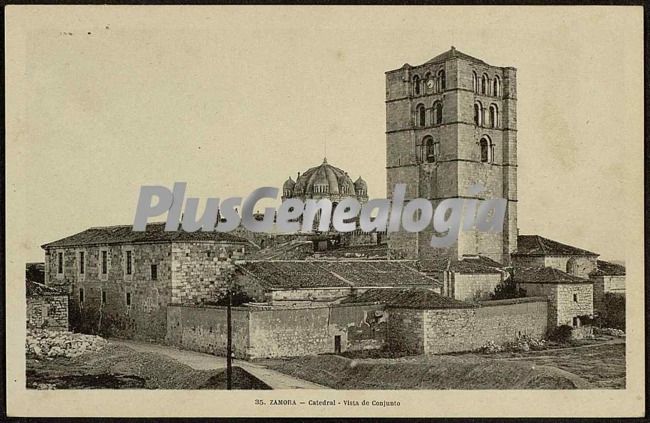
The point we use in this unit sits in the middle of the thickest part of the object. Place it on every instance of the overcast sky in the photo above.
(230, 99)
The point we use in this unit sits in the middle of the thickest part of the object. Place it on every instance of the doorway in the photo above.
(337, 344)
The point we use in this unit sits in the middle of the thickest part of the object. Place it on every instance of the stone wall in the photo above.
(47, 312)
(406, 330)
(275, 331)
(205, 329)
(580, 266)
(200, 270)
(472, 287)
(502, 321)
(561, 305)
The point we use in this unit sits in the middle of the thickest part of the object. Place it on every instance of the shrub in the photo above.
(506, 290)
(613, 312)
(561, 334)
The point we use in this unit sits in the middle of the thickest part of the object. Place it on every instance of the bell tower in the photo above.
(452, 123)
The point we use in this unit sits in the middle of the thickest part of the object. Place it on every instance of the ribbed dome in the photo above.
(324, 180)
(288, 184)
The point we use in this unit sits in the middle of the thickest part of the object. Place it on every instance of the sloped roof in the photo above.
(535, 245)
(546, 275)
(296, 274)
(452, 53)
(605, 268)
(478, 264)
(35, 289)
(154, 233)
(415, 298)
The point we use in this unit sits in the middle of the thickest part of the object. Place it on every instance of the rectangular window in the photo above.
(81, 295)
(104, 262)
(128, 298)
(59, 267)
(103, 297)
(575, 298)
(129, 262)
(82, 262)
(154, 272)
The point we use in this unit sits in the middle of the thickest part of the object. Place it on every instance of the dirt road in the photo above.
(201, 361)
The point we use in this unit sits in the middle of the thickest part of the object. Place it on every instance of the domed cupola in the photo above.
(287, 188)
(361, 187)
(323, 181)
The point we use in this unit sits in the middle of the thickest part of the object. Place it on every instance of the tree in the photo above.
(507, 289)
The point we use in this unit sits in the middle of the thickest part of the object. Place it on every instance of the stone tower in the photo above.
(452, 123)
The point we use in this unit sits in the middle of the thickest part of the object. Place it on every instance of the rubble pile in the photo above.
(50, 343)
(609, 331)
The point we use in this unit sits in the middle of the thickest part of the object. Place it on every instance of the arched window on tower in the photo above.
(474, 82)
(416, 85)
(496, 87)
(437, 113)
(485, 84)
(487, 150)
(494, 116)
(421, 115)
(442, 82)
(428, 86)
(432, 150)
(478, 114)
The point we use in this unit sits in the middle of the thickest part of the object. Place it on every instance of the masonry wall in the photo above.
(286, 332)
(561, 306)
(200, 270)
(473, 287)
(455, 330)
(205, 329)
(580, 266)
(605, 284)
(406, 330)
(47, 312)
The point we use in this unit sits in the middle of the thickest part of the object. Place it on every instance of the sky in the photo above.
(102, 100)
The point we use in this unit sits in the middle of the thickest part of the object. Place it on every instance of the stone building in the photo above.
(608, 278)
(47, 308)
(121, 281)
(570, 297)
(451, 123)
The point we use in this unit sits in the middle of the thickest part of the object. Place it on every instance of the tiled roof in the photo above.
(377, 252)
(452, 54)
(418, 298)
(535, 245)
(605, 268)
(34, 289)
(478, 264)
(546, 275)
(154, 233)
(323, 273)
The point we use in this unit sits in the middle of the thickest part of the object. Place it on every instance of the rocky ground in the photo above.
(41, 343)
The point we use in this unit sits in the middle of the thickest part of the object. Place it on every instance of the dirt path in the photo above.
(201, 361)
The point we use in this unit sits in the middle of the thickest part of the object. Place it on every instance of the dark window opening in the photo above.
(129, 262)
(477, 114)
(103, 297)
(576, 322)
(416, 85)
(484, 85)
(438, 113)
(442, 79)
(128, 298)
(60, 263)
(104, 262)
(421, 115)
(575, 298)
(485, 151)
(154, 272)
(82, 262)
(81, 295)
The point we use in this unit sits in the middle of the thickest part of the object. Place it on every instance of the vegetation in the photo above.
(613, 315)
(561, 334)
(507, 290)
